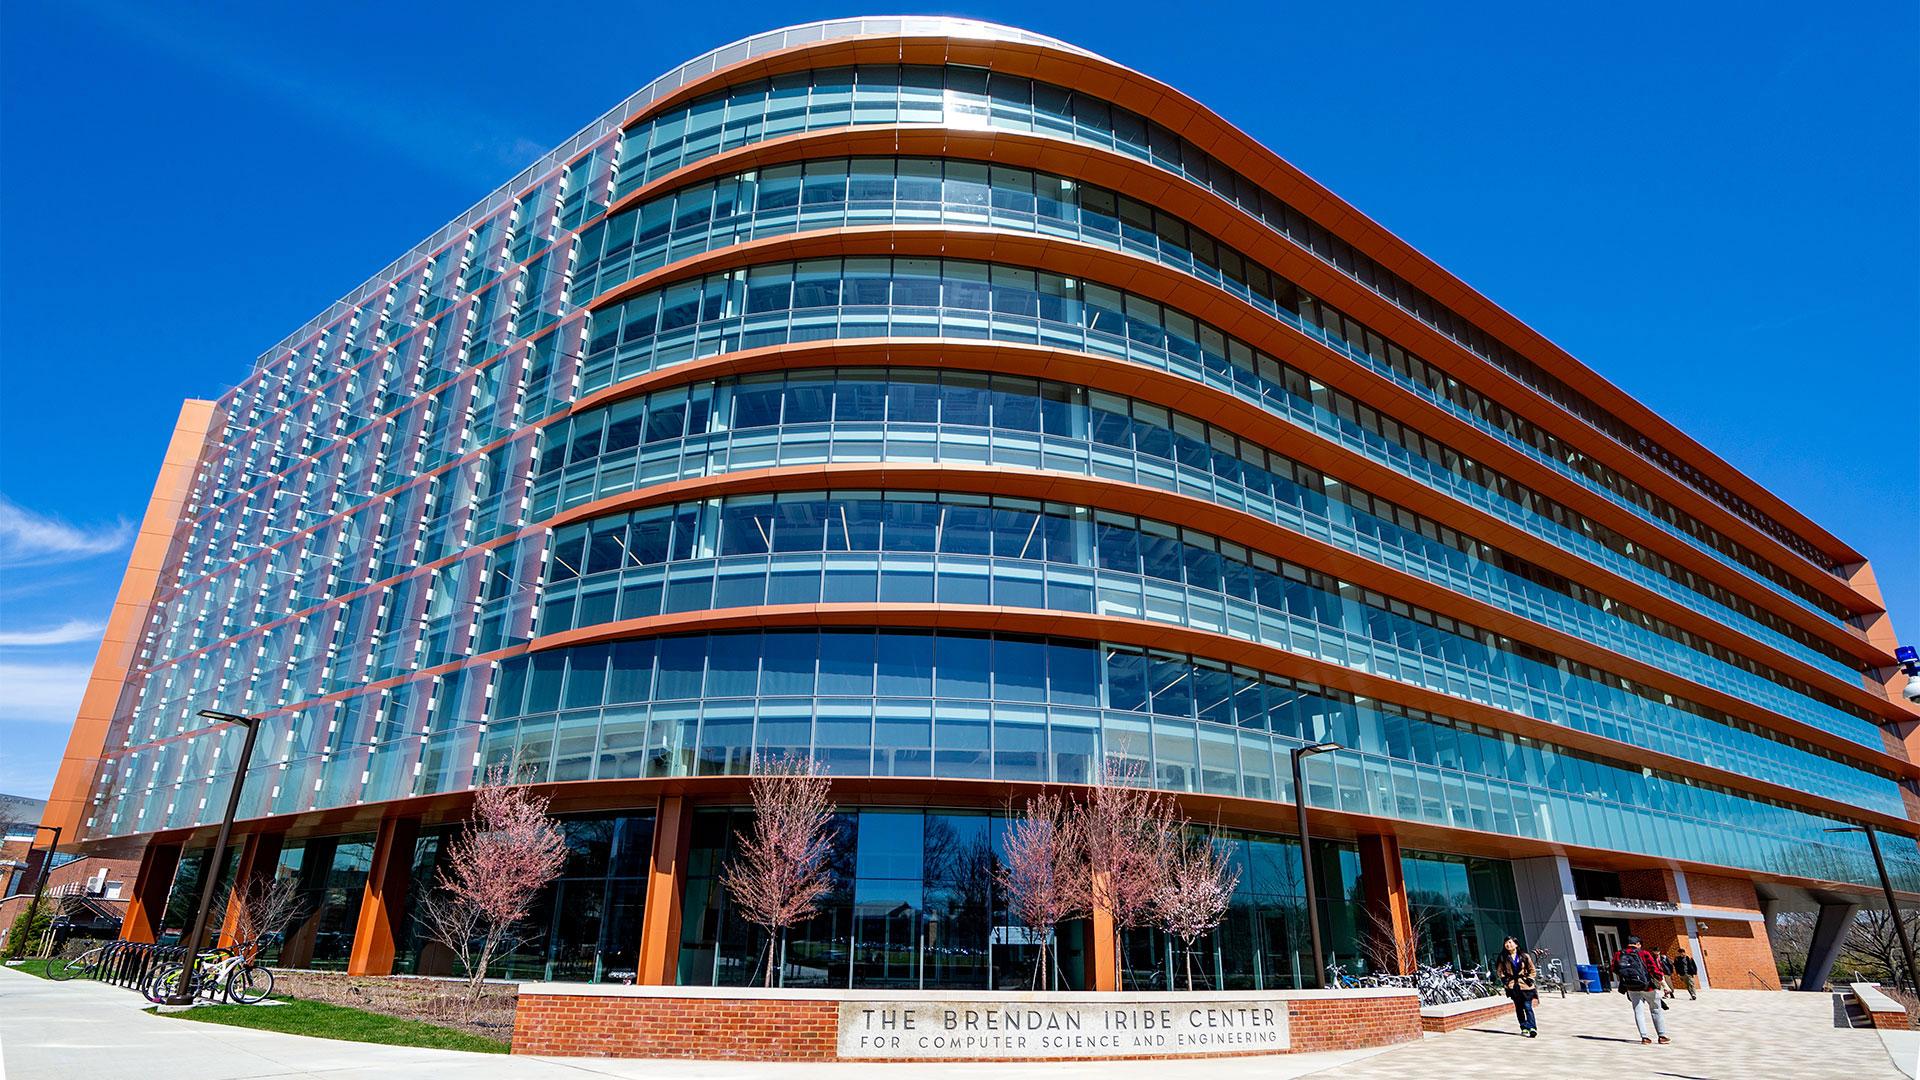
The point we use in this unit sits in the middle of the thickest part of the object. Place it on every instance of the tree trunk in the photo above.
(1187, 949)
(768, 980)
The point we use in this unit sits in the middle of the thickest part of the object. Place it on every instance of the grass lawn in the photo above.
(323, 1021)
(32, 967)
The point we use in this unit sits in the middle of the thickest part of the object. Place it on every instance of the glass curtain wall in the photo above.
(331, 876)
(915, 905)
(1462, 907)
(1263, 943)
(584, 927)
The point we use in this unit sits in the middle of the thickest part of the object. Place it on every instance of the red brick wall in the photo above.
(662, 1027)
(1739, 954)
(1460, 1020)
(779, 1029)
(1347, 1023)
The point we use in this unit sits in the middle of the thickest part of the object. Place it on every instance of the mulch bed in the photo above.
(436, 1001)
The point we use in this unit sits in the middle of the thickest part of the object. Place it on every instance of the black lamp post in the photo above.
(1893, 906)
(46, 867)
(1300, 755)
(183, 992)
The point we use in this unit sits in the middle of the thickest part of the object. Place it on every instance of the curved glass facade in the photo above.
(966, 97)
(401, 508)
(922, 548)
(1000, 707)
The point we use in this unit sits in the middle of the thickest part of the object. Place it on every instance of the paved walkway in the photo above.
(1726, 1035)
(63, 1031)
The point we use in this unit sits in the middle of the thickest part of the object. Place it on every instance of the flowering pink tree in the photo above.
(783, 867)
(1045, 872)
(1129, 832)
(506, 853)
(1194, 894)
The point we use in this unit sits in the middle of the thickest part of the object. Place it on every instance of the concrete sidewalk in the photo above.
(87, 1031)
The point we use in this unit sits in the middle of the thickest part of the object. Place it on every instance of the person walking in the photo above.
(1515, 970)
(1636, 973)
(1684, 970)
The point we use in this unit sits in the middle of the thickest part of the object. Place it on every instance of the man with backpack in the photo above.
(1636, 972)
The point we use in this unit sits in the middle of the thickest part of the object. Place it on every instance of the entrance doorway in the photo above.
(1608, 938)
(1605, 937)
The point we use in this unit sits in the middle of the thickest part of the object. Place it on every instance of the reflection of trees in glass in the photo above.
(783, 868)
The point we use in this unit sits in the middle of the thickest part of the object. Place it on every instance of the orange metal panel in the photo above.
(73, 784)
(1385, 901)
(384, 897)
(148, 904)
(666, 889)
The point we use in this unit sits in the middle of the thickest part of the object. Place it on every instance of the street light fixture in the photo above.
(1300, 755)
(184, 990)
(1893, 906)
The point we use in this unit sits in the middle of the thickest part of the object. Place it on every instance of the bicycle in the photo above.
(1339, 979)
(231, 974)
(87, 963)
(1551, 974)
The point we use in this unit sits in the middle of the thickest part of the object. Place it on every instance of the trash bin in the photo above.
(1589, 977)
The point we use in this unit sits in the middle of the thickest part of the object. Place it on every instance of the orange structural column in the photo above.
(120, 644)
(258, 856)
(1388, 911)
(1103, 947)
(384, 900)
(151, 884)
(666, 887)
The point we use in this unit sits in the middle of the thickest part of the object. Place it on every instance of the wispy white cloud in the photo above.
(67, 633)
(27, 538)
(41, 693)
(449, 137)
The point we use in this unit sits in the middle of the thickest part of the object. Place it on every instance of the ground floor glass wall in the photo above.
(584, 927)
(915, 905)
(1463, 908)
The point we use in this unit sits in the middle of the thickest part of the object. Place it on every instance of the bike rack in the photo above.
(135, 964)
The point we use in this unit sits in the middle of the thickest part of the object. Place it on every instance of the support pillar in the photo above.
(666, 892)
(259, 855)
(1389, 913)
(1829, 933)
(1103, 948)
(383, 902)
(151, 884)
(1547, 919)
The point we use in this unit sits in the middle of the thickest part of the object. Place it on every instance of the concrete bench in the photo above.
(1882, 1010)
(1454, 1015)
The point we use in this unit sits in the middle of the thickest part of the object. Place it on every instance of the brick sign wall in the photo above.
(563, 1020)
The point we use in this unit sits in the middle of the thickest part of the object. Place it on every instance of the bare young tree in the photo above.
(1129, 831)
(783, 868)
(1791, 935)
(1045, 873)
(264, 907)
(1872, 945)
(1388, 956)
(504, 855)
(1195, 892)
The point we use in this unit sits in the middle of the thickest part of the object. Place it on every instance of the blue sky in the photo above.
(1715, 206)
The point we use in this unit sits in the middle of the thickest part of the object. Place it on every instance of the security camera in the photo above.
(1908, 658)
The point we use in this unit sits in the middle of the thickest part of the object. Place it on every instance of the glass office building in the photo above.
(966, 411)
